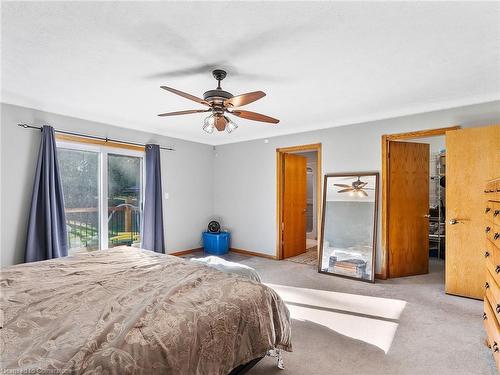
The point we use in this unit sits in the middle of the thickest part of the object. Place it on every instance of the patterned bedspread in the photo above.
(128, 311)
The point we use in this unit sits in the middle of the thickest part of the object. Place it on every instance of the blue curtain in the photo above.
(152, 229)
(46, 237)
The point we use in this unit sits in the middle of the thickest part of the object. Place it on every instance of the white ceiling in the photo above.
(321, 64)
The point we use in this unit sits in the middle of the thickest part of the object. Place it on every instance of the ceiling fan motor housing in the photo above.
(356, 184)
(217, 94)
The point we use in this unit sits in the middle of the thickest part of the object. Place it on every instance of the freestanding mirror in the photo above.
(349, 225)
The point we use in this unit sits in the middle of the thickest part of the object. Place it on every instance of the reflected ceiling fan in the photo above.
(357, 186)
(220, 103)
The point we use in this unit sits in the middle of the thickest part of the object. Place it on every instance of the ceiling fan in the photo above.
(357, 186)
(220, 103)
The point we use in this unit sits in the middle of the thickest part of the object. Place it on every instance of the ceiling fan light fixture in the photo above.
(231, 125)
(209, 124)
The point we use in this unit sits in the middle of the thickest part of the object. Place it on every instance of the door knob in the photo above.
(454, 221)
(427, 216)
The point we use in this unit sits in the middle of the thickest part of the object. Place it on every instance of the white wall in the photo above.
(245, 173)
(187, 175)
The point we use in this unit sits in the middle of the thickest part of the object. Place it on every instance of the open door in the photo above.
(294, 205)
(408, 240)
(472, 158)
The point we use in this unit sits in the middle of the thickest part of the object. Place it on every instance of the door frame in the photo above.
(280, 159)
(386, 138)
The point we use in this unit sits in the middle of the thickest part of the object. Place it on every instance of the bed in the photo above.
(128, 311)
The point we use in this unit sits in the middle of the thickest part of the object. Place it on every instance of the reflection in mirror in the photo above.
(349, 225)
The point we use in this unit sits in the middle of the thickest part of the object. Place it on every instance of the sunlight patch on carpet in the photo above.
(370, 319)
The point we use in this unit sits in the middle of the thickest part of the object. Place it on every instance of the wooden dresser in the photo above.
(491, 314)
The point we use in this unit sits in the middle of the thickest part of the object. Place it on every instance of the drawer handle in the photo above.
(497, 270)
(486, 254)
(487, 229)
(487, 209)
(485, 316)
(486, 285)
(498, 309)
(496, 213)
(496, 236)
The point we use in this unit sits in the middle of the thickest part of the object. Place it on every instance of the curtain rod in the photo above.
(106, 139)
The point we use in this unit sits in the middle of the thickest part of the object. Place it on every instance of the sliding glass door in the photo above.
(80, 171)
(103, 193)
(124, 200)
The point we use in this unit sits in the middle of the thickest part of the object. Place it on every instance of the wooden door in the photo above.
(472, 158)
(294, 205)
(408, 209)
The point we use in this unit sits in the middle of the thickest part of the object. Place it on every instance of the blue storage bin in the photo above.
(216, 243)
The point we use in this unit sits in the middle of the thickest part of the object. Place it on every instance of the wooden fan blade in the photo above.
(186, 95)
(189, 111)
(220, 123)
(363, 192)
(254, 116)
(244, 99)
(345, 190)
(363, 184)
(343, 185)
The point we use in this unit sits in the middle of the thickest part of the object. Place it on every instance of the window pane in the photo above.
(80, 179)
(124, 200)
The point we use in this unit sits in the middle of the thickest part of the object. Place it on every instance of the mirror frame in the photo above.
(375, 223)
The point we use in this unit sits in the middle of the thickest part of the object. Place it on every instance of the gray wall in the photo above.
(187, 175)
(245, 172)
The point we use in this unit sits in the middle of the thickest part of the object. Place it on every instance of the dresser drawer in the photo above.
(492, 212)
(493, 233)
(492, 292)
(495, 212)
(492, 331)
(492, 190)
(492, 257)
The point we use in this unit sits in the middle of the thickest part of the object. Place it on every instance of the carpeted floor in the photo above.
(405, 326)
